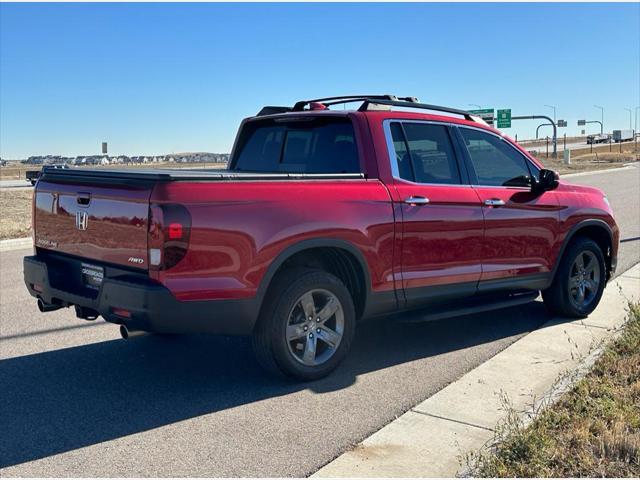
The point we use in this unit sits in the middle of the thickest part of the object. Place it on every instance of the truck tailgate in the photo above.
(100, 221)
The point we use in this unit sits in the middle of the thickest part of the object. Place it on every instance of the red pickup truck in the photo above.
(325, 217)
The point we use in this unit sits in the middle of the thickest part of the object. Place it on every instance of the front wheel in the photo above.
(306, 326)
(579, 282)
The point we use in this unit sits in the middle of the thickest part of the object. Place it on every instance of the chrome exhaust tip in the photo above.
(127, 334)
(47, 307)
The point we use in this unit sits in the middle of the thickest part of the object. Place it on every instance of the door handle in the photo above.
(416, 200)
(494, 202)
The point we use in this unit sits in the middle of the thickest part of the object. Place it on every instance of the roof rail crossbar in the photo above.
(412, 104)
(299, 106)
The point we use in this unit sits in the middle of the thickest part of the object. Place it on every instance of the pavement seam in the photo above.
(462, 422)
(590, 325)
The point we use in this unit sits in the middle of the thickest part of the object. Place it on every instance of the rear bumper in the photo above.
(152, 307)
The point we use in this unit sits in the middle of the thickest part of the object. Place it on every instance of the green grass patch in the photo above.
(592, 431)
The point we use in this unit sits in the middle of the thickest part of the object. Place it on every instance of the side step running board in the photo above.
(447, 311)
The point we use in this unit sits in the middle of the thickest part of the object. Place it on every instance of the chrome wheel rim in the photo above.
(584, 279)
(315, 327)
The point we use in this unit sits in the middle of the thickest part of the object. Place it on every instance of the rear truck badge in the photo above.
(82, 220)
(46, 243)
(136, 260)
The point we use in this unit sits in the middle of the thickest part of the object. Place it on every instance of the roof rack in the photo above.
(369, 100)
(424, 106)
(327, 101)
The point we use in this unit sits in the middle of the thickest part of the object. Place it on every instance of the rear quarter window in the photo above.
(324, 145)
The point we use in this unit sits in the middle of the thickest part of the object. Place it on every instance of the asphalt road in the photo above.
(78, 401)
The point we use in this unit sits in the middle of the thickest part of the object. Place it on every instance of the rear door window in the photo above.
(325, 145)
(424, 153)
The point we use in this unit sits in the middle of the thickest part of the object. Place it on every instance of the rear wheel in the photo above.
(579, 282)
(306, 326)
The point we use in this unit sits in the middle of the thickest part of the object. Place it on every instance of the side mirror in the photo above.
(548, 180)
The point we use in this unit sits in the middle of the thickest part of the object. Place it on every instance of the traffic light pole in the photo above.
(541, 125)
(597, 121)
(553, 124)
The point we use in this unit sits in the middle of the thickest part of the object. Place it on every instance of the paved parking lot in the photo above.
(78, 401)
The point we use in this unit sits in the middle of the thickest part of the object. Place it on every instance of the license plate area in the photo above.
(91, 275)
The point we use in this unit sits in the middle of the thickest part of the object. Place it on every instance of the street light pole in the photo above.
(630, 113)
(475, 105)
(636, 129)
(554, 112)
(601, 115)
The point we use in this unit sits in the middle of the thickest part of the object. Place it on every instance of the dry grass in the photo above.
(15, 212)
(588, 162)
(593, 431)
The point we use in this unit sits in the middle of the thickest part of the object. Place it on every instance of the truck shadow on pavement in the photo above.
(62, 400)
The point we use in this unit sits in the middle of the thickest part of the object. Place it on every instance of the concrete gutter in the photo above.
(429, 439)
(15, 244)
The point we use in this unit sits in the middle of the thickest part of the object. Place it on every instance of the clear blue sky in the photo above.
(160, 78)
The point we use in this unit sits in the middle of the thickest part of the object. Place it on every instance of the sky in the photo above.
(162, 78)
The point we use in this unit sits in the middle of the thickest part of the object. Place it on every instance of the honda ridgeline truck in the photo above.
(324, 218)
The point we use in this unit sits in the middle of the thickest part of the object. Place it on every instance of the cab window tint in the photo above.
(309, 146)
(424, 153)
(495, 163)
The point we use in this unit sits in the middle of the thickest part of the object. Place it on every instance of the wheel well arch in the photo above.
(338, 257)
(596, 230)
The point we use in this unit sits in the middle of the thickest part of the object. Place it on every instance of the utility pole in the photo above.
(630, 114)
(601, 115)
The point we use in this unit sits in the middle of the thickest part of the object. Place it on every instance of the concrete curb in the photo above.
(627, 166)
(15, 244)
(428, 440)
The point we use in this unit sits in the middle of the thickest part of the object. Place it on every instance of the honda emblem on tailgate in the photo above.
(82, 219)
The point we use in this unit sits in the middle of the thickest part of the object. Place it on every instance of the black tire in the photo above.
(270, 344)
(558, 298)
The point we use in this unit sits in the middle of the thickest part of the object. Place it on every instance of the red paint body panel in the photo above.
(520, 236)
(238, 229)
(441, 242)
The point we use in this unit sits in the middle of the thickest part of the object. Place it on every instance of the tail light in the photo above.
(169, 232)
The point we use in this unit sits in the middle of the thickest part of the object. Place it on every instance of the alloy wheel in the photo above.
(315, 327)
(584, 279)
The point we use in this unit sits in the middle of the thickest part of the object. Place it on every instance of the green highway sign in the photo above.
(485, 114)
(504, 118)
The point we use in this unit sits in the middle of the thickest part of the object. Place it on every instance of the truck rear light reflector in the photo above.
(121, 312)
(155, 256)
(169, 232)
(175, 231)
